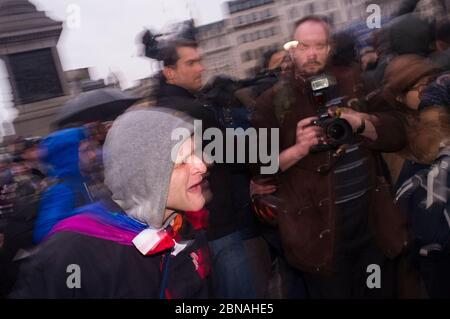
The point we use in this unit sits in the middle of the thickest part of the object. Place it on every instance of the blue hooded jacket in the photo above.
(59, 200)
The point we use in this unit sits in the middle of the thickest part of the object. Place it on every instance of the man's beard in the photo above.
(305, 69)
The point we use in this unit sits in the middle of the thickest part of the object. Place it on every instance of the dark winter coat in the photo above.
(308, 227)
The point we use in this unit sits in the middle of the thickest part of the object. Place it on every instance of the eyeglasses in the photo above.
(318, 47)
(417, 88)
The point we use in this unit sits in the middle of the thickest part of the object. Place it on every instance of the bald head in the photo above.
(312, 19)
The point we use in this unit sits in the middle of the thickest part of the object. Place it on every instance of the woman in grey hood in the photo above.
(139, 244)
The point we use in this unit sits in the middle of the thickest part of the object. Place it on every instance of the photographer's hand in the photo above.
(367, 59)
(307, 136)
(361, 123)
(262, 187)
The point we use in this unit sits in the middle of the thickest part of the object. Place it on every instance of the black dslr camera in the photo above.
(337, 131)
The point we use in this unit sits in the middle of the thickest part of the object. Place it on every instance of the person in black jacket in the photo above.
(180, 82)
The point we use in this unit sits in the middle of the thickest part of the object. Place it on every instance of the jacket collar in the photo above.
(174, 90)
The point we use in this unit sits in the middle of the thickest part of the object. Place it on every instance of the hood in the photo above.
(138, 164)
(61, 152)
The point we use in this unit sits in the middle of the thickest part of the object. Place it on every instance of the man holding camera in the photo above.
(339, 220)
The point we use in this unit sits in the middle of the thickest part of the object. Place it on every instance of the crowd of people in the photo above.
(142, 215)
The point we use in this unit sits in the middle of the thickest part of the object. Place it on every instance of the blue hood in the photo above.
(61, 152)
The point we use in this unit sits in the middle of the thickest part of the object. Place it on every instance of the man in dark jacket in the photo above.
(181, 80)
(331, 229)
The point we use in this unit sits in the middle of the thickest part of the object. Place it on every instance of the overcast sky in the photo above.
(104, 39)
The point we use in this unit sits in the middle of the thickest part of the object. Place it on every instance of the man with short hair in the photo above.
(187, 70)
(181, 80)
(331, 227)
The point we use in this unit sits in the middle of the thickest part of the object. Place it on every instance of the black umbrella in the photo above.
(97, 105)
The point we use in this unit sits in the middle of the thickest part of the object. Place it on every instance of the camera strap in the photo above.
(334, 157)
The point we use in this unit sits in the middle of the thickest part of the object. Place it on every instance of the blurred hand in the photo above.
(353, 117)
(308, 135)
(367, 59)
(261, 188)
(19, 169)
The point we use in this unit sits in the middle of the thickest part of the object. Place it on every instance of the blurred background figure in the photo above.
(420, 91)
(70, 155)
(22, 181)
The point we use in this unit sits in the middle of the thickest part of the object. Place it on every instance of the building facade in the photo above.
(28, 40)
(217, 49)
(235, 46)
(256, 28)
(39, 85)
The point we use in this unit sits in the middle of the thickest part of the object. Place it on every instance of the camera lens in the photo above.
(339, 131)
(336, 131)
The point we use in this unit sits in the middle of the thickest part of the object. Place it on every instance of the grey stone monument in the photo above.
(28, 40)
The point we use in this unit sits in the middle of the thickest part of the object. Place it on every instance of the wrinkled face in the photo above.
(185, 189)
(313, 48)
(187, 73)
